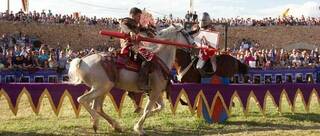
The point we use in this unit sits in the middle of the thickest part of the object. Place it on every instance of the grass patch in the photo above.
(164, 123)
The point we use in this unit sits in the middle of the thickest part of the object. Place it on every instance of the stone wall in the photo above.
(87, 36)
(77, 36)
(278, 36)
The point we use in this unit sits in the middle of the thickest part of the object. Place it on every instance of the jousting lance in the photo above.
(152, 40)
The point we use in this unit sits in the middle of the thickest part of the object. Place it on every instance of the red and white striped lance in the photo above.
(152, 40)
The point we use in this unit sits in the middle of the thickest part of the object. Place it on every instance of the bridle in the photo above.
(190, 51)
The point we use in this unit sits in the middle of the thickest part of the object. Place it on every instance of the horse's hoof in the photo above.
(118, 129)
(143, 134)
(137, 129)
(95, 128)
(138, 110)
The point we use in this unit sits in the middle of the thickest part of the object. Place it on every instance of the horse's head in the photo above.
(177, 33)
(173, 33)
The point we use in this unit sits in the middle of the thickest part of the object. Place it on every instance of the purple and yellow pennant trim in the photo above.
(227, 93)
(195, 94)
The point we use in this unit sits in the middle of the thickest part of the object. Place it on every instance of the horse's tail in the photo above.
(75, 74)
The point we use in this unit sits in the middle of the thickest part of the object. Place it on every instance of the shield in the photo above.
(207, 38)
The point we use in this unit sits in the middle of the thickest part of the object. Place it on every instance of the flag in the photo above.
(285, 13)
(25, 5)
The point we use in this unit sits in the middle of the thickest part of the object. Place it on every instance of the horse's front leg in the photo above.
(131, 95)
(138, 127)
(160, 105)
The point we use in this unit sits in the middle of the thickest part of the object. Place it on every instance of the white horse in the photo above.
(89, 71)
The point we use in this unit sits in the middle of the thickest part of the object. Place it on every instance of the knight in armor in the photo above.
(206, 23)
(129, 47)
(205, 55)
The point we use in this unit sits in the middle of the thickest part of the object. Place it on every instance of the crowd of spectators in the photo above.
(20, 51)
(50, 18)
(234, 22)
(44, 17)
(280, 21)
(252, 54)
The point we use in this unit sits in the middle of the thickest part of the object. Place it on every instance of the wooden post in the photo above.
(191, 6)
(8, 6)
(225, 36)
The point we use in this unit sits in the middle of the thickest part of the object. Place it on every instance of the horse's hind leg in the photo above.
(85, 102)
(114, 124)
(97, 105)
(89, 97)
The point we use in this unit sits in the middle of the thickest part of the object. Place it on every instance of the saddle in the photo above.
(131, 62)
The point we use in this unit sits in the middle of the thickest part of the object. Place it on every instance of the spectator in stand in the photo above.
(276, 58)
(314, 56)
(52, 61)
(315, 53)
(68, 47)
(43, 58)
(35, 55)
(9, 57)
(2, 61)
(18, 62)
(249, 58)
(28, 60)
(62, 62)
(194, 17)
(240, 56)
(188, 16)
(4, 41)
(296, 59)
(44, 47)
(283, 58)
(49, 13)
(259, 59)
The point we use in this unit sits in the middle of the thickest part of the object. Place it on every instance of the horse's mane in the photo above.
(165, 33)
